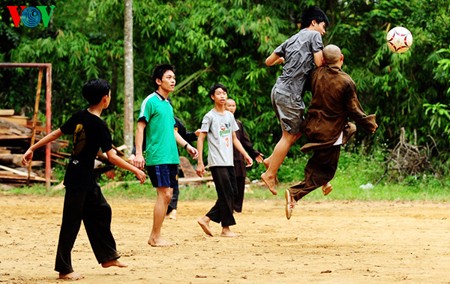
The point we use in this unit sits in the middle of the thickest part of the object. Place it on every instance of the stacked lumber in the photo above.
(15, 138)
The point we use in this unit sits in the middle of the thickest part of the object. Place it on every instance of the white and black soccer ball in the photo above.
(399, 39)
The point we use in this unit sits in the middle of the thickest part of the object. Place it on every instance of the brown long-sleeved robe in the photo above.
(334, 102)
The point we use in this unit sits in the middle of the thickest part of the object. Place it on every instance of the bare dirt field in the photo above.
(324, 242)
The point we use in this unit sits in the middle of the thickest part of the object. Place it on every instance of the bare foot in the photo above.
(204, 223)
(266, 164)
(229, 234)
(71, 276)
(113, 262)
(172, 215)
(159, 242)
(270, 183)
(226, 232)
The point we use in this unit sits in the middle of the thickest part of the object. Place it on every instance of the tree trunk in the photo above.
(129, 81)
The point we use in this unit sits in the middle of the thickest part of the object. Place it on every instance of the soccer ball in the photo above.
(399, 39)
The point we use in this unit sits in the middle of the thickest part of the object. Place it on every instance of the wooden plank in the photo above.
(4, 112)
(17, 178)
(12, 137)
(194, 180)
(20, 173)
(17, 119)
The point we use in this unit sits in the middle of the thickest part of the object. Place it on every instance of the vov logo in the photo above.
(31, 16)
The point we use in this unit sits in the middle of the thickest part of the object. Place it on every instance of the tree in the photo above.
(129, 82)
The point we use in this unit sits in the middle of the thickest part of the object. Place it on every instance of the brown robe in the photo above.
(334, 102)
(239, 164)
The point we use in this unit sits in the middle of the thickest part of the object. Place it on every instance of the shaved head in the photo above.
(332, 54)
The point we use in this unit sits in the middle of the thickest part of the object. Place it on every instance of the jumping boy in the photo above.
(299, 54)
(157, 123)
(333, 103)
(220, 126)
(83, 199)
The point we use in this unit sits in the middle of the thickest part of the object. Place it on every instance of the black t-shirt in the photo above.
(90, 133)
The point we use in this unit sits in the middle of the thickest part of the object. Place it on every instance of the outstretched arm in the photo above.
(114, 159)
(28, 156)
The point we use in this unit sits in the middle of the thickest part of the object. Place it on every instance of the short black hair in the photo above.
(215, 87)
(94, 90)
(159, 71)
(313, 13)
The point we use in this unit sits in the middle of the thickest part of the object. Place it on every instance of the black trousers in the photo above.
(225, 181)
(90, 206)
(239, 197)
(319, 170)
(174, 201)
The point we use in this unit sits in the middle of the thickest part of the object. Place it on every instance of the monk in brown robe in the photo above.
(327, 124)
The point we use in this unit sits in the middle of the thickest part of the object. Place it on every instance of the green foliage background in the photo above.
(227, 41)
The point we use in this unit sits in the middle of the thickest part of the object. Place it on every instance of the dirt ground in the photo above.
(324, 242)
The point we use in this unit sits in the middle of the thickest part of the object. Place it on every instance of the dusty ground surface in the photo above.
(326, 242)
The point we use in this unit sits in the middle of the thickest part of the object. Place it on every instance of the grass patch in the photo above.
(355, 171)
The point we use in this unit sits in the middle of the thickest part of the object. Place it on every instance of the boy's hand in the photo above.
(192, 151)
(200, 169)
(27, 157)
(131, 158)
(260, 158)
(141, 176)
(138, 162)
(248, 160)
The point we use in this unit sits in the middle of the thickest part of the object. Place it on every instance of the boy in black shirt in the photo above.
(84, 200)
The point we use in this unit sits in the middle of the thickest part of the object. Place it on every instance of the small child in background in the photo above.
(239, 162)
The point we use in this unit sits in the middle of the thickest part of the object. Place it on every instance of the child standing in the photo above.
(239, 163)
(299, 54)
(83, 199)
(220, 126)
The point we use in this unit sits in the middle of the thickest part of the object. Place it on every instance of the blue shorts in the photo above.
(163, 175)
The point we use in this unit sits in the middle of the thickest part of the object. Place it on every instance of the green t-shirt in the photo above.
(160, 143)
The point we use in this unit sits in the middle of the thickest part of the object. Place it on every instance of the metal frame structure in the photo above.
(48, 107)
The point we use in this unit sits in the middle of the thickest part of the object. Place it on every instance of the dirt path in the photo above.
(326, 242)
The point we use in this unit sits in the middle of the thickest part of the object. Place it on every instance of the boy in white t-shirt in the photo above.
(219, 126)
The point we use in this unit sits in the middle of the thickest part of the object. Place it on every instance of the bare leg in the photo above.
(226, 232)
(204, 223)
(276, 159)
(159, 213)
(113, 262)
(71, 276)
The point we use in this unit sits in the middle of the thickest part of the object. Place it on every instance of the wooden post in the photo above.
(36, 110)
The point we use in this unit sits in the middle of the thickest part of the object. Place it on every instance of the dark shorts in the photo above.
(163, 175)
(289, 110)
